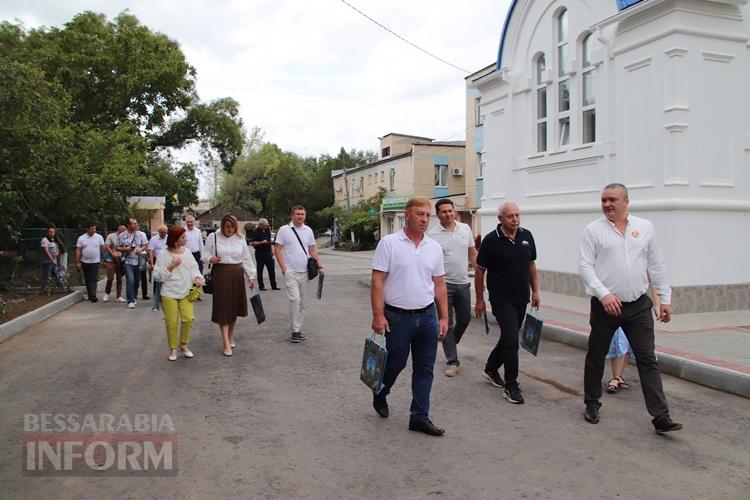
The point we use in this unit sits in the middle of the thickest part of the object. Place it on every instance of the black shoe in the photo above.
(146, 297)
(425, 426)
(380, 405)
(513, 395)
(301, 335)
(94, 299)
(592, 414)
(665, 424)
(275, 288)
(262, 289)
(295, 338)
(493, 378)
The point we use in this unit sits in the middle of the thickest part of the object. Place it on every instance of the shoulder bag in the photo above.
(208, 286)
(312, 264)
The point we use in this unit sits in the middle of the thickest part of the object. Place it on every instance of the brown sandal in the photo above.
(622, 384)
(613, 385)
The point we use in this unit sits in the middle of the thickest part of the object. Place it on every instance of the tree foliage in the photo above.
(88, 114)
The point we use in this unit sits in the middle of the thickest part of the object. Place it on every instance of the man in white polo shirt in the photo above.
(295, 243)
(194, 241)
(89, 248)
(618, 253)
(407, 280)
(457, 243)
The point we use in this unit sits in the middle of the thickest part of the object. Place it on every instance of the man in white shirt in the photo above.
(295, 243)
(407, 281)
(457, 243)
(89, 248)
(617, 254)
(194, 241)
(155, 245)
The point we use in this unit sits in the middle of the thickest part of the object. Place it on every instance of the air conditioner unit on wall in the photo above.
(457, 172)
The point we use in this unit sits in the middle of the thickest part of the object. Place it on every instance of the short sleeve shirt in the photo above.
(260, 235)
(295, 257)
(134, 240)
(410, 270)
(455, 244)
(51, 246)
(91, 248)
(507, 263)
(156, 244)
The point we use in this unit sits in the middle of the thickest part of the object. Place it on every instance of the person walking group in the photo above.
(295, 243)
(113, 264)
(263, 244)
(408, 281)
(131, 243)
(231, 265)
(89, 248)
(176, 270)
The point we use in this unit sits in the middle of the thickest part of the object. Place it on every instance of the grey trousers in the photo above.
(459, 303)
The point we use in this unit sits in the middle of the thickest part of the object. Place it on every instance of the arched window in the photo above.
(541, 104)
(588, 97)
(563, 80)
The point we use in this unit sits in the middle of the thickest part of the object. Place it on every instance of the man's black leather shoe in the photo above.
(425, 426)
(665, 424)
(380, 405)
(592, 414)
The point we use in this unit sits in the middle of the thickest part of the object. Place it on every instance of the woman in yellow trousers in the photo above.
(177, 271)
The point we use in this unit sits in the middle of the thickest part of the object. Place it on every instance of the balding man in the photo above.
(508, 256)
(194, 240)
(618, 252)
(155, 245)
(261, 241)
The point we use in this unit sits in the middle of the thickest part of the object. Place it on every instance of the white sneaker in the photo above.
(121, 299)
(131, 305)
(85, 296)
(105, 298)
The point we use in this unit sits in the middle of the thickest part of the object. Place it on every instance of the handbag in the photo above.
(142, 261)
(312, 264)
(373, 364)
(208, 286)
(194, 293)
(531, 333)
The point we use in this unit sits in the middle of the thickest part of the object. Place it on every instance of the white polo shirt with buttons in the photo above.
(410, 270)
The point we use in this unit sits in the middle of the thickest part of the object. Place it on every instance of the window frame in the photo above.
(588, 72)
(441, 174)
(562, 81)
(541, 122)
(392, 179)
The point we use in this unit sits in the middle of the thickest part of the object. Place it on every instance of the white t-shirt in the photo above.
(91, 248)
(455, 245)
(410, 270)
(295, 258)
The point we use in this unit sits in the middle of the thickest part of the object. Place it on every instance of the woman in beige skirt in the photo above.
(231, 267)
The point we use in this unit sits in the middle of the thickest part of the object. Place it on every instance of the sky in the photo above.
(315, 75)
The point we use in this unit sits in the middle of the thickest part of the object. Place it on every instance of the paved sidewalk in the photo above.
(711, 349)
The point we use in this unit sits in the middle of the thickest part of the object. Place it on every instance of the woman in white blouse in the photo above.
(231, 265)
(177, 271)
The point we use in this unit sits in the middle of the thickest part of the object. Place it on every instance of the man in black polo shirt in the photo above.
(507, 254)
(261, 241)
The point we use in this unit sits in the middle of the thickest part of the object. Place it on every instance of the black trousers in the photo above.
(509, 317)
(265, 260)
(197, 257)
(638, 324)
(90, 275)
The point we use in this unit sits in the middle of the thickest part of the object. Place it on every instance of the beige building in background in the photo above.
(409, 166)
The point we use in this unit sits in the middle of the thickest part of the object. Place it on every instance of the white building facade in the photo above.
(648, 93)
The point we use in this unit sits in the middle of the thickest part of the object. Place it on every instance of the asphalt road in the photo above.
(279, 420)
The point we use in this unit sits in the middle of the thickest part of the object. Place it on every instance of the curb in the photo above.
(19, 324)
(686, 369)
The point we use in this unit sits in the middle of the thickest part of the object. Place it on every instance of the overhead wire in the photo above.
(404, 39)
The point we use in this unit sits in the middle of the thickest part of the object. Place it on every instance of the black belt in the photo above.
(407, 311)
